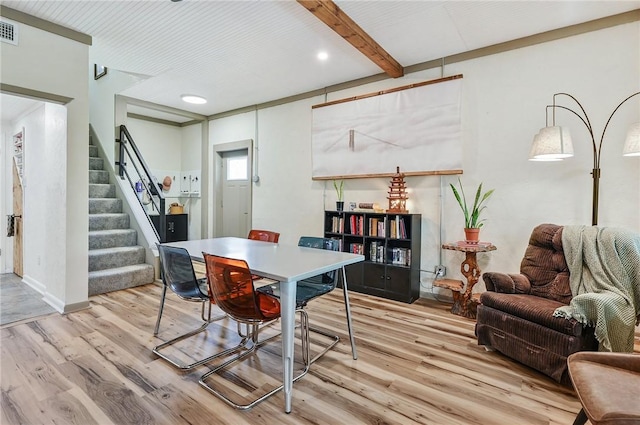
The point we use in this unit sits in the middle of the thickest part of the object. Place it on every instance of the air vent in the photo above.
(8, 31)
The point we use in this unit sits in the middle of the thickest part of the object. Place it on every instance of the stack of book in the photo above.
(356, 225)
(377, 226)
(339, 242)
(398, 230)
(400, 256)
(356, 248)
(337, 224)
(376, 252)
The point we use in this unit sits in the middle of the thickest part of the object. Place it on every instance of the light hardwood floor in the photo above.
(417, 363)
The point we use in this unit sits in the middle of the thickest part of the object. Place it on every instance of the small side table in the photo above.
(463, 302)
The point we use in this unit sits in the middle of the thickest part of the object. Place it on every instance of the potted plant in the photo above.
(339, 187)
(472, 221)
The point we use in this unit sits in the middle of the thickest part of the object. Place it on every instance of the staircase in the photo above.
(115, 260)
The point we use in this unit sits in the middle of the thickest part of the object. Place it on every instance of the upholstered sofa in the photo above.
(515, 314)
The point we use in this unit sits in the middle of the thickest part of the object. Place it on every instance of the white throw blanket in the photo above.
(604, 267)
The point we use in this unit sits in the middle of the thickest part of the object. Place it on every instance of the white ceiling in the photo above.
(243, 53)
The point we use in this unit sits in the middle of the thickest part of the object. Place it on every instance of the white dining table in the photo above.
(287, 264)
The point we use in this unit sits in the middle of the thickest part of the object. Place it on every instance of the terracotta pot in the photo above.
(472, 235)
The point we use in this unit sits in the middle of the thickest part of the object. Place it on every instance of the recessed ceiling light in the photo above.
(323, 56)
(190, 98)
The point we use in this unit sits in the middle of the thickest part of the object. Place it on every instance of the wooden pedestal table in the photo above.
(464, 304)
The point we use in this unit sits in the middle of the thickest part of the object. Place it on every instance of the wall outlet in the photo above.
(440, 271)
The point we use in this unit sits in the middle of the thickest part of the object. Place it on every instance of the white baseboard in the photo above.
(40, 287)
(52, 300)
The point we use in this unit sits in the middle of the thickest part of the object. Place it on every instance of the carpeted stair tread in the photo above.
(96, 164)
(106, 258)
(98, 176)
(100, 239)
(108, 221)
(105, 205)
(115, 279)
(102, 190)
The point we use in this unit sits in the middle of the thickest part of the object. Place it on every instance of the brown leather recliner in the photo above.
(515, 314)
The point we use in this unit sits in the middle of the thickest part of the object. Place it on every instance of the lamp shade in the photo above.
(632, 143)
(534, 151)
(551, 144)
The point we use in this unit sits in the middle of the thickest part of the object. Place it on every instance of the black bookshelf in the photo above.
(391, 246)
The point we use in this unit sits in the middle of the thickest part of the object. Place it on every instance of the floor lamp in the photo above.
(553, 143)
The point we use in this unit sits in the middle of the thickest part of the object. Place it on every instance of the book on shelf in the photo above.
(356, 225)
(400, 256)
(373, 226)
(337, 224)
(356, 248)
(398, 229)
(376, 252)
(339, 240)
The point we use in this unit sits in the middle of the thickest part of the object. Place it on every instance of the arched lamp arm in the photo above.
(586, 123)
(607, 124)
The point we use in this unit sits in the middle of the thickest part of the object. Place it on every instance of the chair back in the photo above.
(322, 243)
(231, 286)
(177, 272)
(264, 235)
(544, 264)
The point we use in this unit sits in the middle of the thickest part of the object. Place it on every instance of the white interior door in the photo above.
(235, 200)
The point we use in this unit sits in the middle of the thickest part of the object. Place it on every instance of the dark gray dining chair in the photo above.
(178, 275)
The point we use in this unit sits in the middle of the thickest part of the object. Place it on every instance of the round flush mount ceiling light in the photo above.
(191, 98)
(323, 56)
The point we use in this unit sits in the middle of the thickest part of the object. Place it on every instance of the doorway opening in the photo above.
(233, 198)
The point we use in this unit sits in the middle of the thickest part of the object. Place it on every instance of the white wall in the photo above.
(172, 150)
(231, 129)
(504, 99)
(191, 160)
(64, 259)
(103, 106)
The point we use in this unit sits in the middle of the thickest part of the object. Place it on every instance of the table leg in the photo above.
(288, 318)
(348, 310)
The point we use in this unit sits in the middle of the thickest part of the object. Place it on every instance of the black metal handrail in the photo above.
(129, 155)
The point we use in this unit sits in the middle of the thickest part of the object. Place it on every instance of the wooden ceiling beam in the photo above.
(329, 13)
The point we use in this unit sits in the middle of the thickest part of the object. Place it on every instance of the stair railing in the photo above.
(147, 184)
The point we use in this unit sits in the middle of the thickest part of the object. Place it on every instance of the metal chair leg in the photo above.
(164, 294)
(183, 366)
(206, 322)
(256, 344)
(581, 419)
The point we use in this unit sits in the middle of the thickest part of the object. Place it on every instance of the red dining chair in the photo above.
(264, 235)
(231, 288)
